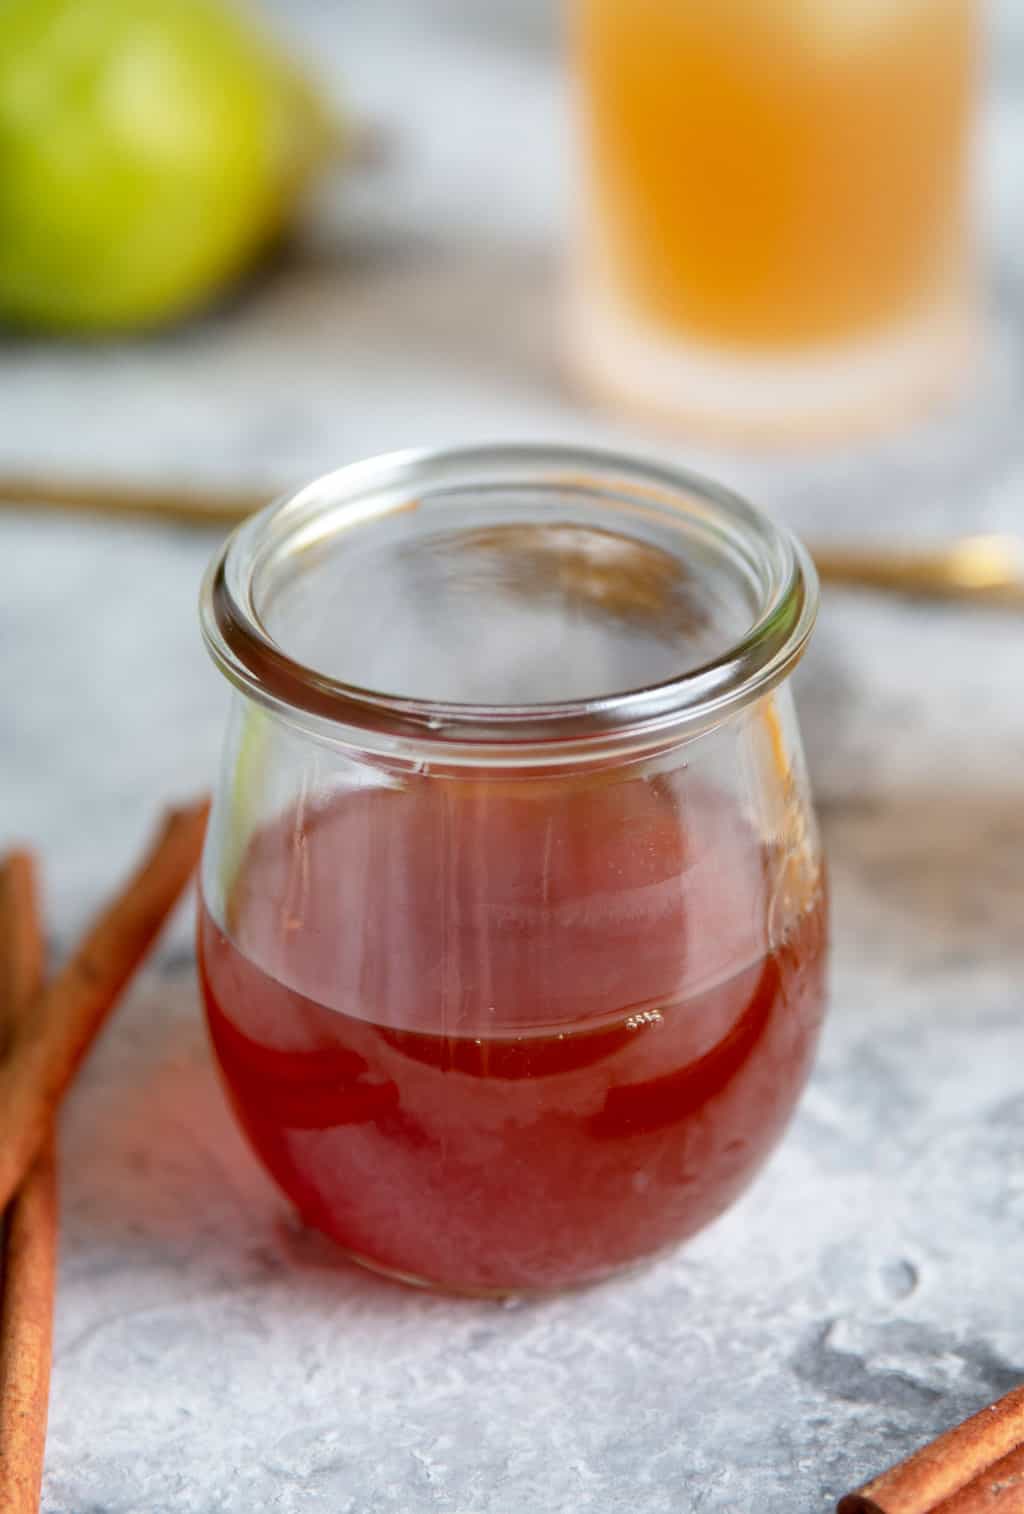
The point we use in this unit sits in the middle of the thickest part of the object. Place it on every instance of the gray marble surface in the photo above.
(213, 1356)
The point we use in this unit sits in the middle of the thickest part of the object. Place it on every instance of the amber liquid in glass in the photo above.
(772, 174)
(511, 1037)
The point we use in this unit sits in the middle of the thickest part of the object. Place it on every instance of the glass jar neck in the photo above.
(511, 605)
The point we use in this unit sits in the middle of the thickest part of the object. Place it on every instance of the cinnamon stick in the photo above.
(45, 1051)
(21, 942)
(974, 1468)
(28, 1255)
(997, 1490)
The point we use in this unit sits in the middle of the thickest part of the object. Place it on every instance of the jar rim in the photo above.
(658, 714)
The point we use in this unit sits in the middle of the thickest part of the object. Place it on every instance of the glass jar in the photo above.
(512, 931)
(774, 236)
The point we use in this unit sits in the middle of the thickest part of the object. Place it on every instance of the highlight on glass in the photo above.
(513, 919)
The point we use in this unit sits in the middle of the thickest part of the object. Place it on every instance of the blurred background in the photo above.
(780, 242)
(369, 228)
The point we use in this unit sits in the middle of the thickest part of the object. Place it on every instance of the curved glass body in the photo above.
(512, 932)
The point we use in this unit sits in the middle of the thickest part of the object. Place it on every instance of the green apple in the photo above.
(149, 151)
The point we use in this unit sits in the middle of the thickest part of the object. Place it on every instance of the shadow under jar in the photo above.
(513, 921)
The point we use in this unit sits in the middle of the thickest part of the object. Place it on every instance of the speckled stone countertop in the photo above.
(213, 1356)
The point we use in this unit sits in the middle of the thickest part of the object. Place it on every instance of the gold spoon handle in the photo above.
(978, 569)
(183, 505)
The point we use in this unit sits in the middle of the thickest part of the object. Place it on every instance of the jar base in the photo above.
(810, 396)
(498, 1294)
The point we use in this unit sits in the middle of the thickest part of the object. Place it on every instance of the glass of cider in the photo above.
(773, 235)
